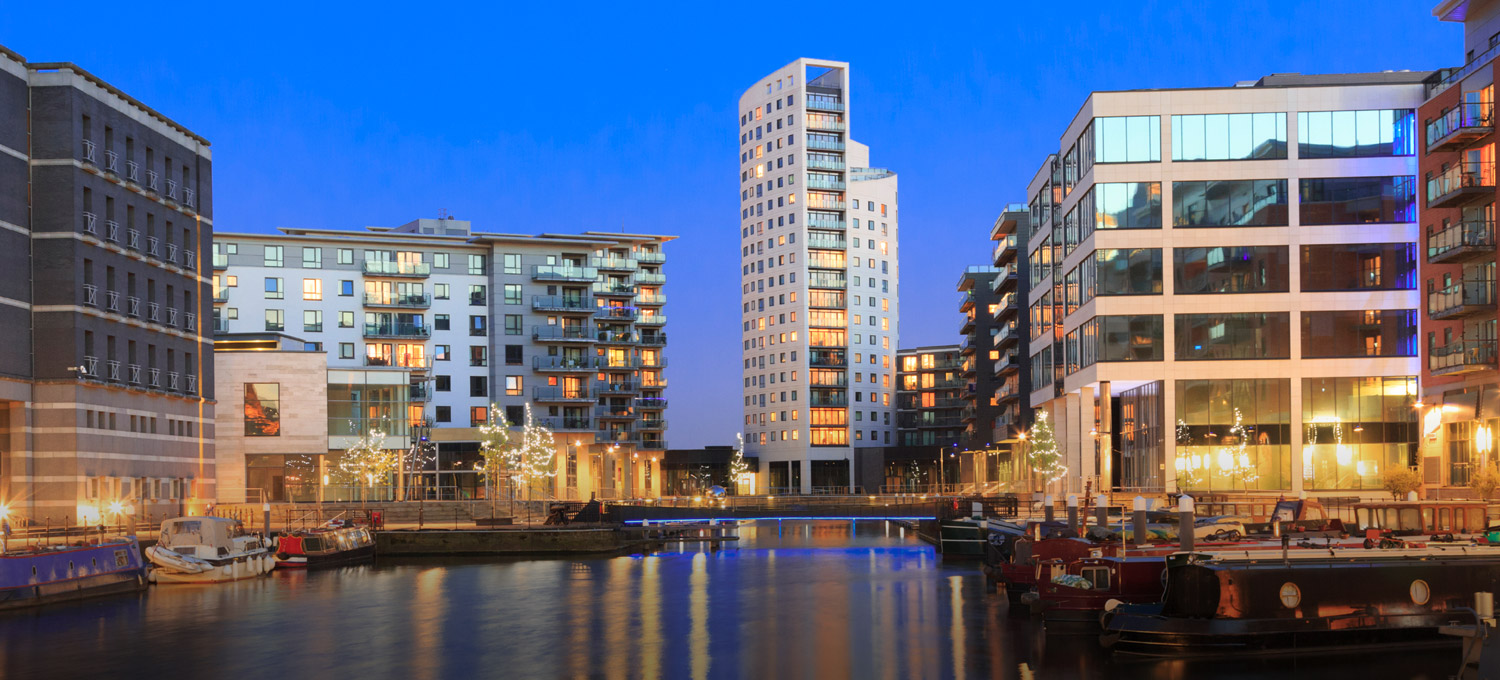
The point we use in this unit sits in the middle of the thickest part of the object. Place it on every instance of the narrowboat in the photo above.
(1422, 518)
(324, 547)
(1304, 600)
(42, 575)
(962, 539)
(208, 550)
(1070, 596)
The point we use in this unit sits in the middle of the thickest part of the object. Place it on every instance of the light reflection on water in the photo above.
(827, 599)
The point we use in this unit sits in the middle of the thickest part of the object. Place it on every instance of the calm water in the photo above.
(793, 600)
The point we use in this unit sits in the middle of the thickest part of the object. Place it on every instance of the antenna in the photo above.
(442, 213)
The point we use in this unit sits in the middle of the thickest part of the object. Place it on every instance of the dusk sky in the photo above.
(609, 117)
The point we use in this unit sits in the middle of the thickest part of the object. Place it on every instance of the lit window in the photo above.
(312, 289)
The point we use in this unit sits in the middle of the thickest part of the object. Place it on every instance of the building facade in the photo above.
(106, 377)
(1460, 383)
(433, 325)
(819, 282)
(272, 431)
(1224, 287)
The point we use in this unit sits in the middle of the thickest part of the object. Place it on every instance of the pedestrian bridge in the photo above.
(911, 507)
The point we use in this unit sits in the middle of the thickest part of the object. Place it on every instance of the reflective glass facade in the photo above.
(1132, 271)
(1206, 337)
(1356, 134)
(1354, 429)
(1229, 137)
(1359, 333)
(1230, 203)
(1249, 269)
(1233, 434)
(1359, 266)
(1358, 200)
(1127, 139)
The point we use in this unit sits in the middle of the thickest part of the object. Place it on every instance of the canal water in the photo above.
(794, 599)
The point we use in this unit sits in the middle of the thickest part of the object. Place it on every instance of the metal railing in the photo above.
(1459, 296)
(1462, 356)
(414, 300)
(1456, 178)
(391, 268)
(563, 272)
(1465, 234)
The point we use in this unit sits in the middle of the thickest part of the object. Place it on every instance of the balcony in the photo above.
(651, 299)
(657, 361)
(407, 301)
(111, 161)
(817, 201)
(559, 364)
(221, 260)
(652, 445)
(420, 393)
(90, 295)
(615, 264)
(653, 339)
(610, 337)
(408, 361)
(652, 424)
(968, 345)
(171, 189)
(823, 162)
(652, 320)
(1005, 279)
(478, 299)
(561, 334)
(89, 368)
(825, 222)
(826, 241)
(651, 403)
(1460, 185)
(824, 102)
(563, 272)
(1007, 335)
(90, 224)
(1456, 127)
(132, 172)
(402, 269)
(90, 152)
(621, 314)
(1463, 299)
(650, 257)
(823, 144)
(153, 247)
(814, 182)
(1463, 356)
(562, 394)
(603, 388)
(153, 181)
(112, 369)
(1005, 251)
(650, 278)
(112, 231)
(1007, 363)
(112, 301)
(839, 400)
(614, 412)
(566, 423)
(613, 288)
(397, 330)
(562, 304)
(1462, 242)
(172, 253)
(221, 325)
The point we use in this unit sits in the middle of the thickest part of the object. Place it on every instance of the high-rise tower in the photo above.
(819, 281)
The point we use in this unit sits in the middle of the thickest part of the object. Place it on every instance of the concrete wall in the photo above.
(303, 377)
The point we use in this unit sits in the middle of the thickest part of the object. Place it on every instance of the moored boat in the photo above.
(1306, 600)
(42, 575)
(323, 547)
(207, 550)
(962, 538)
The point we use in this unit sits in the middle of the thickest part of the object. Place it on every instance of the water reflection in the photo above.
(792, 600)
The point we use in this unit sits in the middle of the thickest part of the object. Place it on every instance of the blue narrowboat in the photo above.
(43, 575)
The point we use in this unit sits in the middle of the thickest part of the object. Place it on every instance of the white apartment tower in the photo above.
(819, 282)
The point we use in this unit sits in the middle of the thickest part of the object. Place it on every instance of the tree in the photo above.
(535, 453)
(1402, 480)
(1187, 466)
(1045, 459)
(495, 449)
(738, 468)
(367, 460)
(1484, 482)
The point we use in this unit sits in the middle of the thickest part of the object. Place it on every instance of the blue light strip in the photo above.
(656, 522)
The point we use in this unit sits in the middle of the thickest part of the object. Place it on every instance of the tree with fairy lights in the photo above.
(1187, 466)
(367, 461)
(1045, 459)
(496, 452)
(738, 468)
(536, 453)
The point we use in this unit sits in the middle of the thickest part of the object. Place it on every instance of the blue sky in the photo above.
(530, 119)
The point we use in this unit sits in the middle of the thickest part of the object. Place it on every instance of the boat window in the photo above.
(1410, 519)
(1476, 519)
(187, 527)
(312, 544)
(1362, 516)
(1427, 520)
(1445, 519)
(1098, 576)
(1391, 521)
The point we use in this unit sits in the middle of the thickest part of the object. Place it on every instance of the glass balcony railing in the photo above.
(1464, 298)
(816, 221)
(1462, 356)
(411, 300)
(613, 288)
(396, 330)
(388, 268)
(824, 144)
(650, 278)
(562, 303)
(825, 183)
(825, 162)
(1466, 240)
(650, 257)
(826, 241)
(1457, 126)
(1463, 183)
(563, 272)
(613, 263)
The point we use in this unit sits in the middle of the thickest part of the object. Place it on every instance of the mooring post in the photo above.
(1185, 522)
(1073, 514)
(1101, 510)
(1138, 532)
(1048, 512)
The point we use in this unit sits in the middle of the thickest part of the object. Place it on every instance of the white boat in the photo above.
(208, 550)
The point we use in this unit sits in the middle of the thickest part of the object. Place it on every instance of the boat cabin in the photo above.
(1422, 517)
(204, 537)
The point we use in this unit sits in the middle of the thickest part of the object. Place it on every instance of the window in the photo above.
(512, 324)
(441, 352)
(476, 326)
(1359, 266)
(312, 289)
(443, 383)
(346, 288)
(513, 355)
(275, 320)
(440, 322)
(444, 414)
(478, 415)
(346, 256)
(1233, 336)
(512, 263)
(1123, 205)
(1210, 456)
(440, 291)
(1229, 137)
(1336, 458)
(262, 409)
(1356, 134)
(273, 288)
(312, 321)
(512, 385)
(512, 293)
(346, 350)
(1250, 269)
(346, 319)
(440, 260)
(1359, 333)
(477, 294)
(478, 355)
(515, 414)
(1135, 271)
(1128, 338)
(476, 265)
(1127, 139)
(479, 386)
(1358, 200)
(312, 258)
(273, 256)
(1230, 203)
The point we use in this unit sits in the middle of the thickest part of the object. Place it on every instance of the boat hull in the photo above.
(354, 556)
(70, 575)
(236, 569)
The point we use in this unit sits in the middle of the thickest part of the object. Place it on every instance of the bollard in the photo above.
(1185, 523)
(266, 508)
(1139, 519)
(1073, 514)
(1484, 605)
(1101, 510)
(1048, 512)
